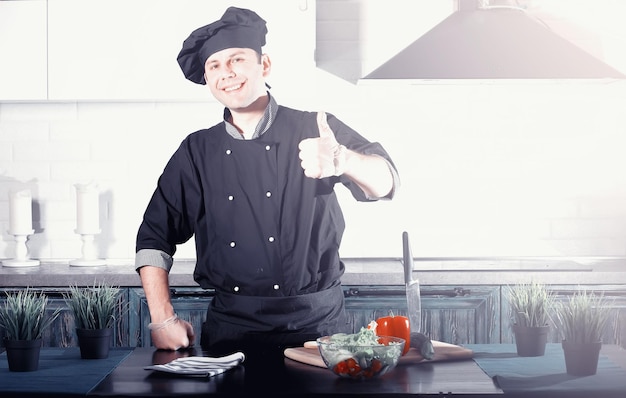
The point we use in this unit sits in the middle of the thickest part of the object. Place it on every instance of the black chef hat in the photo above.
(238, 28)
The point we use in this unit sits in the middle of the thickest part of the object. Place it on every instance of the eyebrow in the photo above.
(233, 54)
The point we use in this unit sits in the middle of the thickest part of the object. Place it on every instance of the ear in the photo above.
(267, 64)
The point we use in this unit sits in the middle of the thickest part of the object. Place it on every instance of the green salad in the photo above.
(360, 355)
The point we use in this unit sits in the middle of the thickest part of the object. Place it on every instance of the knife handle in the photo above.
(407, 258)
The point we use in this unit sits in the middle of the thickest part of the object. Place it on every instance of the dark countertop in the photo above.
(469, 378)
(495, 370)
(359, 271)
(288, 378)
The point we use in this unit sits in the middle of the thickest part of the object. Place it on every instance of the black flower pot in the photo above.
(23, 355)
(581, 359)
(94, 343)
(531, 340)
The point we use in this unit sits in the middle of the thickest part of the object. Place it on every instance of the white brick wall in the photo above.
(486, 169)
(49, 147)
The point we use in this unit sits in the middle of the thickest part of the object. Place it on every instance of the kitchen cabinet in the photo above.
(126, 50)
(118, 50)
(451, 314)
(466, 314)
(62, 333)
(23, 51)
(457, 315)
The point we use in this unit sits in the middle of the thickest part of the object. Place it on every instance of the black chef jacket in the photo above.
(262, 228)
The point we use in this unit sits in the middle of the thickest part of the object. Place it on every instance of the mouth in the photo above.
(232, 88)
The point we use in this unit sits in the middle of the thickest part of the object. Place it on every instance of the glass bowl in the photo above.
(359, 361)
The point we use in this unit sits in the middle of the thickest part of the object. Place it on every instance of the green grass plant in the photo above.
(530, 304)
(24, 315)
(583, 317)
(94, 307)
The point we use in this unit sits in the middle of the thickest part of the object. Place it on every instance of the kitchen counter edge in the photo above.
(381, 271)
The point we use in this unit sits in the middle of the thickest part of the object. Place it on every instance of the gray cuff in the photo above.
(153, 257)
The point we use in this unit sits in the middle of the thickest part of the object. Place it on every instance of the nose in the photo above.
(228, 72)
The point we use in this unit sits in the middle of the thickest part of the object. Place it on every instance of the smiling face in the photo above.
(236, 77)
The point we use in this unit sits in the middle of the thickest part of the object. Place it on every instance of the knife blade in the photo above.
(413, 301)
(412, 286)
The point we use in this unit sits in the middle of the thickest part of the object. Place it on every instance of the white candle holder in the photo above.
(89, 259)
(21, 252)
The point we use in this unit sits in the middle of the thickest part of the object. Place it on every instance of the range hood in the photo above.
(493, 43)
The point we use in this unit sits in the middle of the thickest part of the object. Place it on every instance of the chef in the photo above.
(256, 191)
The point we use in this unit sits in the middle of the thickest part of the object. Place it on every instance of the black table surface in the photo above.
(286, 377)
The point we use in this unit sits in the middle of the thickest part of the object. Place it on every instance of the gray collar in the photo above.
(264, 124)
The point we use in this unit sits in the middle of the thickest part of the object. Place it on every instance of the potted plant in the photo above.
(94, 309)
(530, 305)
(582, 319)
(24, 320)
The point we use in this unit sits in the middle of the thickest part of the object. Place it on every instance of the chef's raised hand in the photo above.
(322, 156)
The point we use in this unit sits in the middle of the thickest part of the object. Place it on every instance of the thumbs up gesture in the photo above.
(322, 156)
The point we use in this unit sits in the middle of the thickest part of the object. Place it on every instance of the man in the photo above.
(256, 190)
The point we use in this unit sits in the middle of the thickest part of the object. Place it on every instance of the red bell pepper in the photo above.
(396, 326)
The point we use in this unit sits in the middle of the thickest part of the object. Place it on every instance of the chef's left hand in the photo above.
(322, 156)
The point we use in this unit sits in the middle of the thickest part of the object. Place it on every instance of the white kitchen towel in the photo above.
(200, 366)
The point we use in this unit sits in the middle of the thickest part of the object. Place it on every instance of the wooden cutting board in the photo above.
(443, 352)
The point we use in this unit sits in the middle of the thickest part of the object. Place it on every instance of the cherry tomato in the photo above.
(368, 373)
(348, 367)
(376, 366)
(341, 368)
(353, 367)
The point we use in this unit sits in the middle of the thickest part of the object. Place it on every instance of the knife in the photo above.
(413, 302)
